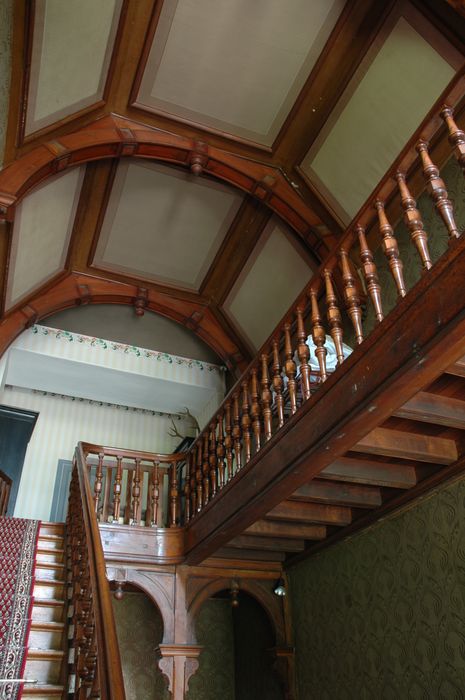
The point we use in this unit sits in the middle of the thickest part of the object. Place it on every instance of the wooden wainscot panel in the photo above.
(131, 544)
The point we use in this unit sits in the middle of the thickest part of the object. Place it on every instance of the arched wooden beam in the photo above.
(115, 137)
(271, 604)
(77, 289)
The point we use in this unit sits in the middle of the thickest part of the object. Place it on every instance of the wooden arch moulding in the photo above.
(114, 137)
(77, 289)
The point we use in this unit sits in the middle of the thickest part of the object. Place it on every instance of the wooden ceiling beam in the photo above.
(274, 528)
(364, 471)
(434, 408)
(244, 233)
(397, 443)
(311, 513)
(338, 494)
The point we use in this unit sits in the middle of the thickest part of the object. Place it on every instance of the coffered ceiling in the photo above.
(199, 158)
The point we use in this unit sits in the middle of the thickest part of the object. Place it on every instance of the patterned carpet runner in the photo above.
(18, 545)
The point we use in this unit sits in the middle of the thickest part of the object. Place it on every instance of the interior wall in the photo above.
(61, 424)
(119, 323)
(139, 627)
(382, 615)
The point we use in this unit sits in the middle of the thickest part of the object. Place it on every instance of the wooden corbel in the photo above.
(141, 301)
(198, 157)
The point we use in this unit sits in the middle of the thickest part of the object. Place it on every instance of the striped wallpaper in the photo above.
(62, 422)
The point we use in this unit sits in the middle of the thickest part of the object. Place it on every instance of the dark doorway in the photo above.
(16, 428)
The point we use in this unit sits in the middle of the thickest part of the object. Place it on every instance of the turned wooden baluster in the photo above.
(255, 409)
(237, 431)
(193, 482)
(303, 353)
(278, 384)
(370, 273)
(205, 468)
(414, 223)
(155, 494)
(266, 397)
(334, 316)
(245, 421)
(198, 475)
(136, 505)
(117, 488)
(437, 190)
(228, 440)
(187, 489)
(220, 451)
(318, 335)
(290, 367)
(351, 295)
(212, 460)
(98, 482)
(456, 135)
(128, 491)
(174, 495)
(391, 249)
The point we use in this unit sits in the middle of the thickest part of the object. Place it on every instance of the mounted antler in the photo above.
(194, 420)
(174, 432)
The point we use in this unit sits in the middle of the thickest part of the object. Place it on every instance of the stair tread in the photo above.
(50, 564)
(49, 601)
(51, 581)
(46, 625)
(42, 689)
(37, 653)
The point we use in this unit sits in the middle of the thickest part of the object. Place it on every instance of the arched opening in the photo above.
(139, 626)
(237, 661)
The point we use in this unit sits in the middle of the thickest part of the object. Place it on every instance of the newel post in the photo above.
(178, 662)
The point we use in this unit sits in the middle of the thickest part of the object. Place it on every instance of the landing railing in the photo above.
(94, 648)
(284, 375)
(134, 488)
(5, 489)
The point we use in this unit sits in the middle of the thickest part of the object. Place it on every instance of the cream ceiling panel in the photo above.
(164, 224)
(378, 113)
(235, 66)
(71, 52)
(272, 279)
(41, 232)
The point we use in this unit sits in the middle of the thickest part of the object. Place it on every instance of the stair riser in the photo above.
(51, 529)
(39, 696)
(45, 639)
(46, 573)
(48, 613)
(43, 670)
(51, 557)
(49, 590)
(50, 543)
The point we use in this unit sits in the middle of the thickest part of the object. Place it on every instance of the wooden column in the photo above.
(178, 663)
(278, 384)
(290, 367)
(391, 249)
(456, 136)
(266, 397)
(370, 273)
(437, 190)
(414, 222)
(303, 353)
(352, 298)
(334, 316)
(255, 409)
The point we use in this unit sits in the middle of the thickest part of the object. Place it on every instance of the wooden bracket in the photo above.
(128, 145)
(141, 301)
(31, 315)
(85, 297)
(198, 157)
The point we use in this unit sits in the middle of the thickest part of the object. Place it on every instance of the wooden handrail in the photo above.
(97, 660)
(279, 380)
(5, 489)
(90, 448)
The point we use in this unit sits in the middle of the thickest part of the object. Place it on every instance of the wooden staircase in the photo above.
(46, 656)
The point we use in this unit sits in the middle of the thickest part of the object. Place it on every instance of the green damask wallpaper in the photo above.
(140, 629)
(214, 679)
(382, 615)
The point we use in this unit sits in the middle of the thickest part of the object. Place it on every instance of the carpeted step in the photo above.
(41, 691)
(48, 610)
(46, 635)
(43, 665)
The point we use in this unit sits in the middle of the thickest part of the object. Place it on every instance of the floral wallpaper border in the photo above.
(145, 353)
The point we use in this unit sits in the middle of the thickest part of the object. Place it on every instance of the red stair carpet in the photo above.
(18, 545)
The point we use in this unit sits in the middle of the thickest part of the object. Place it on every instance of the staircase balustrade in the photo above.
(95, 654)
(5, 489)
(283, 376)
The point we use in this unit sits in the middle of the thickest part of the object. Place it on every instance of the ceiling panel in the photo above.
(71, 52)
(271, 280)
(41, 231)
(235, 66)
(405, 72)
(164, 224)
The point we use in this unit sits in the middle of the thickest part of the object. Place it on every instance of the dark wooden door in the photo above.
(16, 426)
